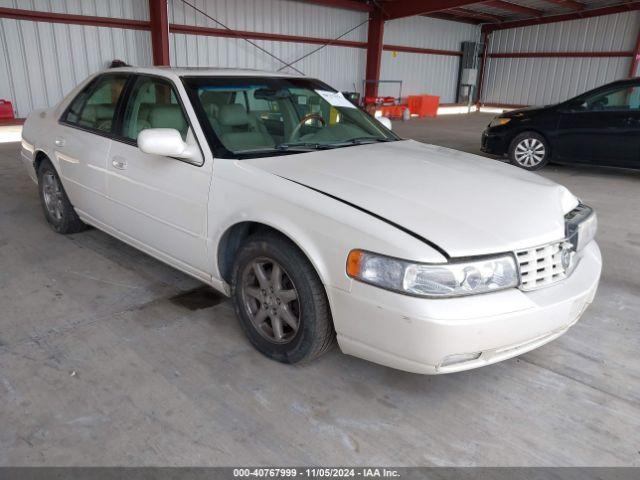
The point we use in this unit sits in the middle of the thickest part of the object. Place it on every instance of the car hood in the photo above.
(465, 204)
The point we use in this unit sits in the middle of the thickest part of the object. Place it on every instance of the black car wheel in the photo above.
(280, 300)
(57, 209)
(529, 150)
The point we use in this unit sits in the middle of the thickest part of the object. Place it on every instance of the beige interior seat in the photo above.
(237, 131)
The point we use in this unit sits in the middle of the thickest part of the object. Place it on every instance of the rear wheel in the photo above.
(280, 301)
(57, 209)
(529, 150)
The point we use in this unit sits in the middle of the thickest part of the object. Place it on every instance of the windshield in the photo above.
(249, 117)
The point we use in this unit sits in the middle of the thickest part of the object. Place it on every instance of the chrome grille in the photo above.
(541, 266)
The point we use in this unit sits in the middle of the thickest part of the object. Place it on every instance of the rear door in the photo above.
(160, 203)
(82, 142)
(603, 130)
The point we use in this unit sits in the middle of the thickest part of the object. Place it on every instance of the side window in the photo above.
(627, 98)
(95, 107)
(153, 104)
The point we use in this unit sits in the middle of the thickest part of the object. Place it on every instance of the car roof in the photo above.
(173, 72)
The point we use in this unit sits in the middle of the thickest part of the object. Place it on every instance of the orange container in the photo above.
(392, 111)
(423, 105)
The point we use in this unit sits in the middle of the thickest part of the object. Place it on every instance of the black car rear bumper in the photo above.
(494, 143)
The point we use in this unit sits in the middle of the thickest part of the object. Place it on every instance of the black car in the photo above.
(599, 127)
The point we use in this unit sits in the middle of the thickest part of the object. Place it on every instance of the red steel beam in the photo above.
(426, 51)
(473, 14)
(410, 8)
(344, 4)
(512, 7)
(560, 54)
(596, 12)
(276, 37)
(70, 19)
(159, 16)
(635, 61)
(453, 18)
(374, 52)
(570, 4)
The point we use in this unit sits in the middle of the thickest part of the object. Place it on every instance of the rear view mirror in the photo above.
(166, 142)
(386, 122)
(271, 94)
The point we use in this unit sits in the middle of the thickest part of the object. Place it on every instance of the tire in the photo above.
(57, 209)
(260, 311)
(529, 150)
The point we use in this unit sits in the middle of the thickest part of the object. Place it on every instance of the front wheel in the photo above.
(280, 301)
(529, 150)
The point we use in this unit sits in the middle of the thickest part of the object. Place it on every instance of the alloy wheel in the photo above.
(530, 152)
(52, 193)
(271, 300)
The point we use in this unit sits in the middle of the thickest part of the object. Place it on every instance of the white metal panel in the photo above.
(273, 16)
(340, 67)
(130, 9)
(424, 73)
(539, 81)
(420, 74)
(617, 32)
(425, 32)
(535, 81)
(40, 62)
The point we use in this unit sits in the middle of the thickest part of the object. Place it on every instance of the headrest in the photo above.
(99, 111)
(167, 116)
(233, 115)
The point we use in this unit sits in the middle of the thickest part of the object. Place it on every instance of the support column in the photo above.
(159, 18)
(483, 64)
(635, 61)
(374, 51)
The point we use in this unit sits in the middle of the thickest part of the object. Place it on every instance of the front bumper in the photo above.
(494, 143)
(417, 334)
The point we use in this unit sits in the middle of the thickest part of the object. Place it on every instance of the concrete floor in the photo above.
(102, 362)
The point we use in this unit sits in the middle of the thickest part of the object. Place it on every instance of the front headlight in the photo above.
(498, 121)
(581, 225)
(451, 279)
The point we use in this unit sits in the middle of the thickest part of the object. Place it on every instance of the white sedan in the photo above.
(317, 220)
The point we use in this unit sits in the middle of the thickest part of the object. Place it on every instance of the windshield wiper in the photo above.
(300, 146)
(360, 141)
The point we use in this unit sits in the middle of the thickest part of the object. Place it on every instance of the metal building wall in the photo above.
(341, 67)
(41, 62)
(425, 73)
(536, 81)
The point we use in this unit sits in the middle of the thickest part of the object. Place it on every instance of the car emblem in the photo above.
(566, 255)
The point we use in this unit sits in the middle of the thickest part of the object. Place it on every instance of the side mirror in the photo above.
(166, 142)
(386, 122)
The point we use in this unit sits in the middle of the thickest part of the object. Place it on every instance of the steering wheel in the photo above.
(309, 116)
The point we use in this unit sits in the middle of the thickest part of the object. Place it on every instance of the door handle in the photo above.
(632, 121)
(59, 142)
(119, 163)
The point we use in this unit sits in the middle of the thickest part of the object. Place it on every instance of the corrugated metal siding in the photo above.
(425, 32)
(41, 62)
(535, 81)
(340, 67)
(272, 16)
(130, 9)
(422, 73)
(539, 81)
(616, 32)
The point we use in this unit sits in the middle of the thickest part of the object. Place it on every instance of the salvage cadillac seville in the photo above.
(317, 220)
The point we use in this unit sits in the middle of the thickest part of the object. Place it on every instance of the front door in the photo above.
(158, 202)
(603, 130)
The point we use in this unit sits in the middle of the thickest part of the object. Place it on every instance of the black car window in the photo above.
(98, 111)
(621, 98)
(153, 104)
